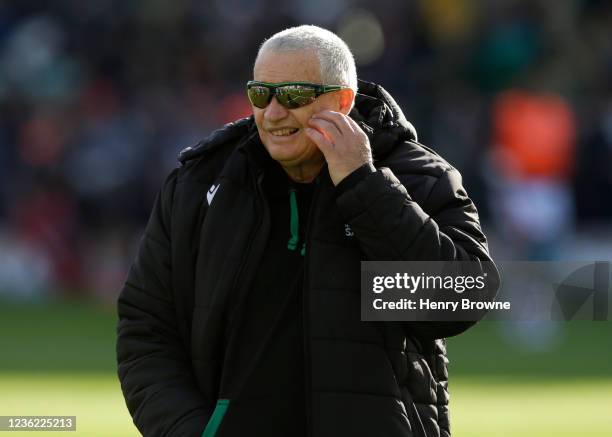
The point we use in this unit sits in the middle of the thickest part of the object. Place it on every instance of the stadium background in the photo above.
(97, 98)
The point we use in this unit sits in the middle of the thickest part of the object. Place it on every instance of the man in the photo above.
(240, 315)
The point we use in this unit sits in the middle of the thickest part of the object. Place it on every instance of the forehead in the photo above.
(291, 66)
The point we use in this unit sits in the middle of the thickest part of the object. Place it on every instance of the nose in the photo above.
(275, 111)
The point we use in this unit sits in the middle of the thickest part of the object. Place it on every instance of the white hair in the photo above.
(336, 62)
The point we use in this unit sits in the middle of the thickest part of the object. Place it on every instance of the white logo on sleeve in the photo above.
(211, 192)
(348, 231)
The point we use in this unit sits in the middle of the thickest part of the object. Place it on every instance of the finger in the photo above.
(354, 125)
(325, 145)
(357, 129)
(327, 127)
(341, 121)
(323, 131)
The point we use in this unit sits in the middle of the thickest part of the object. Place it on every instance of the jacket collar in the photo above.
(381, 118)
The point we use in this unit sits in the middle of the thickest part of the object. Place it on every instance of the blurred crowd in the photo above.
(97, 98)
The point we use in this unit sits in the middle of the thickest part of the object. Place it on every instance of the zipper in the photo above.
(242, 272)
(253, 232)
(305, 315)
(257, 180)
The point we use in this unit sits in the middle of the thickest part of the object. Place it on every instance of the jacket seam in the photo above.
(142, 291)
(350, 340)
(359, 393)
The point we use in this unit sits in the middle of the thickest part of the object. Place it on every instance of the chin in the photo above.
(285, 158)
(284, 152)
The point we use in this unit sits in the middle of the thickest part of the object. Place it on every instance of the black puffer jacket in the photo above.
(201, 248)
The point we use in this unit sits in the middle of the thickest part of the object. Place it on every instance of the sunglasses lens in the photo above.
(290, 96)
(259, 96)
(295, 96)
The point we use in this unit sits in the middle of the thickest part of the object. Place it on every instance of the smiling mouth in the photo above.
(285, 132)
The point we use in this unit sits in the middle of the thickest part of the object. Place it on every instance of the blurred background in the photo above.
(97, 98)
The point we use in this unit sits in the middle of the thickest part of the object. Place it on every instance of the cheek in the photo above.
(314, 108)
(259, 122)
(258, 116)
(304, 115)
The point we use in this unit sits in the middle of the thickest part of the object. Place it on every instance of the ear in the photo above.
(346, 97)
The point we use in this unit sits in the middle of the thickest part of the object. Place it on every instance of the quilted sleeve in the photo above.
(153, 366)
(391, 226)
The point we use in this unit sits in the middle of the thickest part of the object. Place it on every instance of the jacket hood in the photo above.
(379, 115)
(376, 112)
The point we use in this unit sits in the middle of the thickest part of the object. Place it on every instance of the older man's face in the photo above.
(282, 130)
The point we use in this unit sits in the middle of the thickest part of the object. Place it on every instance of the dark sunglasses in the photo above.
(289, 94)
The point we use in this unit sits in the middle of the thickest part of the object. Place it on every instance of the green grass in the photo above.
(57, 337)
(490, 407)
(578, 349)
(59, 359)
(479, 407)
(95, 400)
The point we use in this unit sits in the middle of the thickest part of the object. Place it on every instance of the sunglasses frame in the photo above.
(319, 90)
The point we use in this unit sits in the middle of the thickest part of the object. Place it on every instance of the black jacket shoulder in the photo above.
(227, 134)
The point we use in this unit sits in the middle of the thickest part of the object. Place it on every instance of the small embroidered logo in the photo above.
(348, 231)
(211, 192)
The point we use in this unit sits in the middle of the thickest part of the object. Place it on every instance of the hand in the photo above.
(343, 143)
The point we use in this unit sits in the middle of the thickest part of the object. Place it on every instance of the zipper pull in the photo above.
(293, 221)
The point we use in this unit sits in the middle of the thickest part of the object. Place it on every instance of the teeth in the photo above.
(283, 132)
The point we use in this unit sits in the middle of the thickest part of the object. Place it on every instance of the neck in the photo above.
(304, 173)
